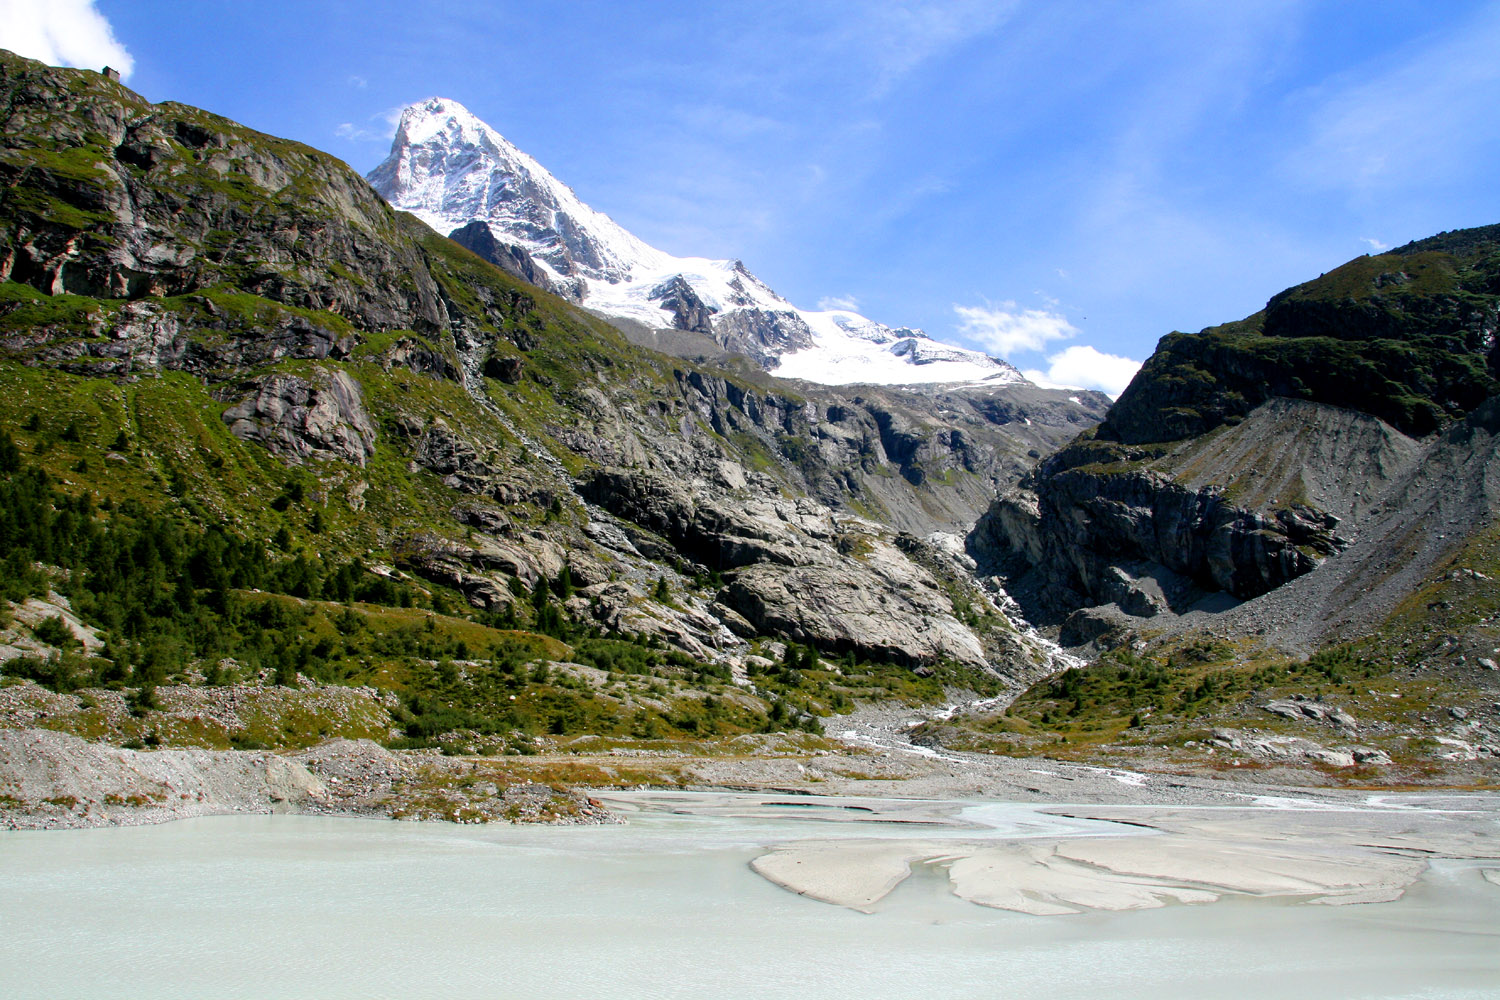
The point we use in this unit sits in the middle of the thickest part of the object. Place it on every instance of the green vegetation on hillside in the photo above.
(1406, 336)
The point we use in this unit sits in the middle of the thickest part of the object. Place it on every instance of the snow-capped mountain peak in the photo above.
(448, 168)
(452, 170)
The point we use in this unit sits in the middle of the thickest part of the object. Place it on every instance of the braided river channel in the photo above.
(668, 905)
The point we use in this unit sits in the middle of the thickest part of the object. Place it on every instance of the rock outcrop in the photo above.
(688, 311)
(129, 199)
(797, 570)
(298, 418)
(508, 257)
(1146, 543)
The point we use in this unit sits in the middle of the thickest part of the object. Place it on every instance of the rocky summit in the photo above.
(284, 467)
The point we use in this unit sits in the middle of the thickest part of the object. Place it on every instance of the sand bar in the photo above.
(1160, 856)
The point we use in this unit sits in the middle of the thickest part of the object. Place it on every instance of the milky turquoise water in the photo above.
(289, 906)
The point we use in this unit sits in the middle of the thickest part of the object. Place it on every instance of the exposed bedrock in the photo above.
(298, 418)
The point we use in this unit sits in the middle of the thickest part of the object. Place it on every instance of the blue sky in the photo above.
(1053, 182)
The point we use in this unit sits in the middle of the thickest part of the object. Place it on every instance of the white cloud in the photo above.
(1005, 329)
(848, 303)
(355, 80)
(1376, 245)
(1084, 367)
(62, 32)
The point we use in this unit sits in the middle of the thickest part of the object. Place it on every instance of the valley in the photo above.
(307, 506)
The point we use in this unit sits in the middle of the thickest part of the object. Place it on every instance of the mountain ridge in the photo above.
(452, 170)
(1405, 341)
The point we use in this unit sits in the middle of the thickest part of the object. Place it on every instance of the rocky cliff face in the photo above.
(108, 196)
(1250, 455)
(267, 334)
(477, 238)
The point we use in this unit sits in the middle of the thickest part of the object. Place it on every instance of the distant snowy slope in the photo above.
(450, 170)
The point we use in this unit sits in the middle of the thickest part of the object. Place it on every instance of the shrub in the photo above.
(54, 632)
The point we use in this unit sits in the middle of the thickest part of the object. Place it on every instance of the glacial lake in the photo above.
(666, 906)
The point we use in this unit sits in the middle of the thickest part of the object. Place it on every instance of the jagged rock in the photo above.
(1299, 708)
(1370, 755)
(508, 257)
(761, 334)
(623, 609)
(1104, 625)
(442, 451)
(1080, 528)
(706, 530)
(733, 620)
(480, 569)
(838, 610)
(297, 418)
(506, 369)
(687, 309)
(610, 536)
(486, 519)
(420, 357)
(1333, 758)
(193, 336)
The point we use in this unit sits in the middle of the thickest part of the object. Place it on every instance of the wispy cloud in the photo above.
(1006, 328)
(897, 36)
(1375, 244)
(729, 123)
(1416, 120)
(348, 130)
(1083, 367)
(370, 131)
(63, 32)
(848, 303)
(355, 80)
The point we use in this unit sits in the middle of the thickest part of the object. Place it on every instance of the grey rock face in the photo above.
(834, 607)
(762, 335)
(142, 336)
(300, 418)
(1088, 529)
(476, 570)
(511, 259)
(418, 357)
(688, 311)
(795, 570)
